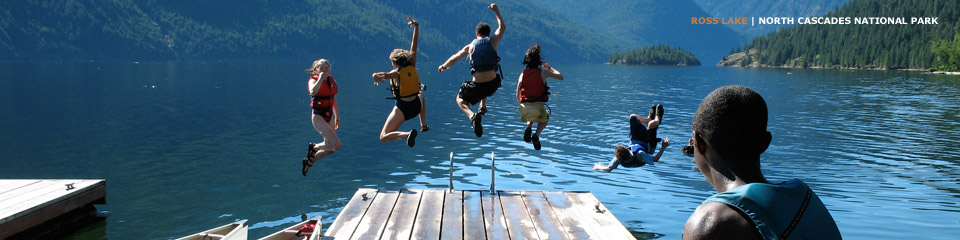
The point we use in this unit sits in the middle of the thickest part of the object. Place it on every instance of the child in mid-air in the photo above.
(532, 93)
(405, 85)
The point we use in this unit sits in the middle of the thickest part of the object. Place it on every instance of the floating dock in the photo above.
(474, 214)
(30, 202)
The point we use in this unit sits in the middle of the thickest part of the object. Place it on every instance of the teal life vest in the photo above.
(781, 211)
(484, 57)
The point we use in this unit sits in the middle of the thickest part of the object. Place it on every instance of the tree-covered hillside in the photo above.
(655, 55)
(651, 22)
(767, 8)
(890, 46)
(305, 29)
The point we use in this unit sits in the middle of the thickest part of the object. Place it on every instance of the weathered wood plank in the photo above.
(544, 218)
(493, 218)
(7, 185)
(429, 215)
(575, 225)
(473, 223)
(451, 227)
(39, 198)
(23, 190)
(401, 221)
(519, 224)
(348, 219)
(374, 221)
(610, 226)
(24, 215)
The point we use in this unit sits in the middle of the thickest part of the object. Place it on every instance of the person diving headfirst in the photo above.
(484, 68)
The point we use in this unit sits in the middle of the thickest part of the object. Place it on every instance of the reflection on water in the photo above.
(187, 146)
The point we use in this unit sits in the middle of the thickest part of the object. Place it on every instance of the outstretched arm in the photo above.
(413, 43)
(613, 165)
(497, 35)
(381, 76)
(453, 59)
(666, 142)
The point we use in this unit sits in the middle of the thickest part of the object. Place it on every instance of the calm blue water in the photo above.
(189, 146)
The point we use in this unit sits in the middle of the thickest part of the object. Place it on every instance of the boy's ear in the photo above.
(698, 143)
(765, 142)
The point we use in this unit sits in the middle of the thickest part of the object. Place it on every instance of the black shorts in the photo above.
(639, 132)
(410, 109)
(473, 92)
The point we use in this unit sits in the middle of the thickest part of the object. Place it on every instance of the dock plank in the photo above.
(39, 198)
(400, 223)
(519, 224)
(33, 202)
(575, 225)
(544, 218)
(610, 226)
(348, 219)
(374, 221)
(429, 215)
(473, 223)
(493, 218)
(475, 214)
(7, 185)
(451, 227)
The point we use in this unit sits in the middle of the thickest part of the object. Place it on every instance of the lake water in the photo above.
(189, 146)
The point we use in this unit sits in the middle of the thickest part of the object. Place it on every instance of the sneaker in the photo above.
(653, 111)
(660, 112)
(526, 134)
(477, 128)
(412, 138)
(536, 141)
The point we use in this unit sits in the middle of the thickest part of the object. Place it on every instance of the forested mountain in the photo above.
(363, 30)
(226, 29)
(881, 46)
(655, 55)
(640, 23)
(767, 8)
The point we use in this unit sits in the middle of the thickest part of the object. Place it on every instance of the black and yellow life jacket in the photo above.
(407, 84)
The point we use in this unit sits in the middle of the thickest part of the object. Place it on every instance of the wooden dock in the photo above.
(479, 214)
(28, 203)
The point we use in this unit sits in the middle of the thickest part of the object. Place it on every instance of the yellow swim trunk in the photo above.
(533, 112)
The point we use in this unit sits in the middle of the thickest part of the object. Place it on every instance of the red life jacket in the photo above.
(533, 88)
(324, 97)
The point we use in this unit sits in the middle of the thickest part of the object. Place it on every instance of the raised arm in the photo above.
(453, 59)
(413, 43)
(551, 72)
(315, 85)
(497, 35)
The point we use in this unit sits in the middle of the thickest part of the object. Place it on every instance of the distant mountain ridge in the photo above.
(362, 30)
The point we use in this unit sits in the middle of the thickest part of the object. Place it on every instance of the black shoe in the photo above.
(477, 128)
(483, 110)
(412, 138)
(653, 111)
(310, 152)
(660, 112)
(536, 141)
(526, 135)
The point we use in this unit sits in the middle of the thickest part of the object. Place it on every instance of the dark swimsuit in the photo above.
(410, 109)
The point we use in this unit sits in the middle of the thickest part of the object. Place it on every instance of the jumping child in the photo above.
(484, 66)
(532, 93)
(405, 85)
(325, 116)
